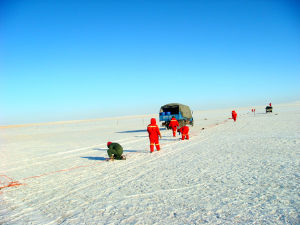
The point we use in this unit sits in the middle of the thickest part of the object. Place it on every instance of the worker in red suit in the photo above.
(184, 132)
(270, 104)
(174, 124)
(154, 133)
(234, 115)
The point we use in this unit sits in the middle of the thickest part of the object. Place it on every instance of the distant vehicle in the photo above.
(181, 112)
(269, 109)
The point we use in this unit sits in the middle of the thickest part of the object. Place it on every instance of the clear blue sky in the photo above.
(82, 59)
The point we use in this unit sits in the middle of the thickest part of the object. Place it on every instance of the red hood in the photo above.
(153, 121)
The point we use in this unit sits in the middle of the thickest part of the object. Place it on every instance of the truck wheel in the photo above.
(167, 126)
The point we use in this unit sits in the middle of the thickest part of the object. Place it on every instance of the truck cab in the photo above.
(269, 109)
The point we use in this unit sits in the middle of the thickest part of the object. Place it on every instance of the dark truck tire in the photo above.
(166, 124)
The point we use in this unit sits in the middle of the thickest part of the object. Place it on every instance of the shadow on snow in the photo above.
(94, 158)
(136, 131)
(131, 131)
(105, 149)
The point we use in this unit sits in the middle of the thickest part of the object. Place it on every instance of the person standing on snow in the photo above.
(234, 115)
(174, 124)
(154, 133)
(115, 151)
(184, 132)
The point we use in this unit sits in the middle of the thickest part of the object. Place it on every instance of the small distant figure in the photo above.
(115, 151)
(154, 133)
(174, 124)
(184, 132)
(234, 115)
(269, 108)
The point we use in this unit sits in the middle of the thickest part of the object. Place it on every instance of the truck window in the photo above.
(173, 110)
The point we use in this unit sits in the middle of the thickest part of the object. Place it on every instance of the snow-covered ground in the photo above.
(228, 173)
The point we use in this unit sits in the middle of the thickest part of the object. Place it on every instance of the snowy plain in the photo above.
(244, 172)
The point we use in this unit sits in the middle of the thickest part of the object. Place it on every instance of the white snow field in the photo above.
(245, 172)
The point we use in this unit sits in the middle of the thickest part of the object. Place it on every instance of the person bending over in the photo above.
(115, 151)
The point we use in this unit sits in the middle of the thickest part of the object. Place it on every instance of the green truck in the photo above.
(181, 112)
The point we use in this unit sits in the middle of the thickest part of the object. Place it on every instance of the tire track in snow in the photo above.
(48, 195)
(132, 141)
(176, 142)
(76, 190)
(58, 154)
(167, 146)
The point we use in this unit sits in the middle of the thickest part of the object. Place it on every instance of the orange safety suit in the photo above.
(154, 133)
(174, 124)
(234, 115)
(184, 132)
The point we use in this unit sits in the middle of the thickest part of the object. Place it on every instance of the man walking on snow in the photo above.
(174, 124)
(154, 133)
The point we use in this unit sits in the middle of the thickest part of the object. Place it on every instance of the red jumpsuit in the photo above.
(184, 132)
(154, 133)
(174, 124)
(234, 115)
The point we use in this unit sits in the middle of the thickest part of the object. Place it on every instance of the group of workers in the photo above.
(115, 150)
(154, 132)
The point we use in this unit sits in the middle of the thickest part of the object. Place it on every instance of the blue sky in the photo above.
(68, 60)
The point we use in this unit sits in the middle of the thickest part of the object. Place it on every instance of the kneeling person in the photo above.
(115, 151)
